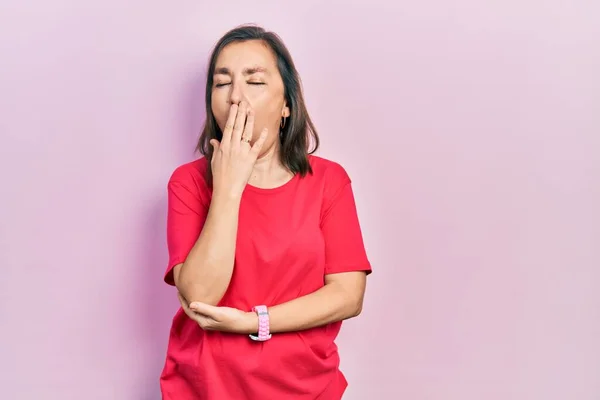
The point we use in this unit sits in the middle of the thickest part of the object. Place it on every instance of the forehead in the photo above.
(240, 55)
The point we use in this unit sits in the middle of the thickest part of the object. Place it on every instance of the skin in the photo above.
(246, 74)
(248, 103)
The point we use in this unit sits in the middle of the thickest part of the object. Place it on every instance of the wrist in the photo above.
(250, 323)
(226, 196)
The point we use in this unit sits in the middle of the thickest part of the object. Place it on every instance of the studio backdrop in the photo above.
(471, 131)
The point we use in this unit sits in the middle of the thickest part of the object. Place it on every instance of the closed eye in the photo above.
(249, 83)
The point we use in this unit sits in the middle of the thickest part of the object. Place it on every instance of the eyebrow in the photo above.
(246, 71)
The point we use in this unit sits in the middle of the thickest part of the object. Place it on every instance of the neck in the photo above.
(268, 170)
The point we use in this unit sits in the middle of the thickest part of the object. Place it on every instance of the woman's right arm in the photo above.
(207, 270)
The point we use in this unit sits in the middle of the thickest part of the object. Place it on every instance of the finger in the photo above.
(198, 318)
(187, 311)
(184, 304)
(190, 314)
(258, 145)
(206, 323)
(204, 309)
(183, 301)
(240, 121)
(249, 128)
(229, 124)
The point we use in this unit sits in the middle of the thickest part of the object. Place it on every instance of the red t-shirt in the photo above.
(288, 239)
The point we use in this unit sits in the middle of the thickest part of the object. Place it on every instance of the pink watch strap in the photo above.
(263, 324)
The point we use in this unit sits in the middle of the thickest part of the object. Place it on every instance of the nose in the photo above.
(237, 93)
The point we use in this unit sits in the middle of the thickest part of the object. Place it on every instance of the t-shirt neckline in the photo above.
(276, 189)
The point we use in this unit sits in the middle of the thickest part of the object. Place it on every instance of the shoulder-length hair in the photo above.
(298, 137)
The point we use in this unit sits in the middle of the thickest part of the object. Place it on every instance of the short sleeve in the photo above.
(186, 213)
(344, 246)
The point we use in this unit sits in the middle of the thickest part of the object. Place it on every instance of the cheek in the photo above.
(264, 120)
(268, 114)
(220, 111)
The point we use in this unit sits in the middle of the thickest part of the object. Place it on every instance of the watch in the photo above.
(263, 324)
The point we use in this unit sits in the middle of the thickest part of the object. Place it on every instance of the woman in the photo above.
(265, 247)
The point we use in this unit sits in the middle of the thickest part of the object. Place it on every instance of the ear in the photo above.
(285, 112)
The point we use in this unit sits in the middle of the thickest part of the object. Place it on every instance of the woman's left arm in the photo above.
(346, 265)
(341, 298)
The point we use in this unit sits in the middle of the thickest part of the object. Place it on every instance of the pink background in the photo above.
(472, 133)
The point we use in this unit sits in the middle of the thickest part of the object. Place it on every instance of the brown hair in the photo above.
(295, 137)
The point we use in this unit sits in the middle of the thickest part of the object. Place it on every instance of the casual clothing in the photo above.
(288, 239)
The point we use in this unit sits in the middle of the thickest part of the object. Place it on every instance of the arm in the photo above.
(345, 271)
(345, 279)
(341, 298)
(206, 272)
